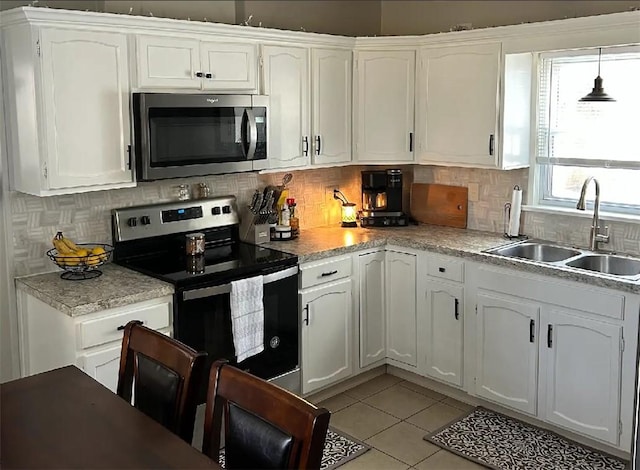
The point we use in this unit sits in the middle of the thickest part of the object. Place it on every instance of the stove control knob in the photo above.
(386, 221)
(132, 222)
(215, 211)
(145, 220)
(226, 209)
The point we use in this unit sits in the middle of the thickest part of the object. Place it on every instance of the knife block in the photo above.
(251, 232)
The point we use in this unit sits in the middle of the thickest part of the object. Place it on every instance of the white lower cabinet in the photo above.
(507, 351)
(558, 350)
(580, 361)
(50, 339)
(103, 366)
(401, 307)
(326, 335)
(444, 331)
(373, 342)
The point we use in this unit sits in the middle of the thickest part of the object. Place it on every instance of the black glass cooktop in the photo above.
(219, 264)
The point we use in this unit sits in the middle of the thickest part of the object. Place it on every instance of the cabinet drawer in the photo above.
(445, 268)
(107, 329)
(313, 274)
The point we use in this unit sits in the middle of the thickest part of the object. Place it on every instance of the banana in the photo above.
(60, 245)
(72, 246)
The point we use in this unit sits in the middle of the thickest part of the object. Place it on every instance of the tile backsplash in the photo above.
(86, 218)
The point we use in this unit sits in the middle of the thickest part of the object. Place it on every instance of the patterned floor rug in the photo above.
(499, 442)
(339, 448)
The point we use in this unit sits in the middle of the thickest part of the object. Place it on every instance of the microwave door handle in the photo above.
(252, 134)
(226, 288)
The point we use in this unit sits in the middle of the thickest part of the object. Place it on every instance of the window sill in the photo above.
(588, 214)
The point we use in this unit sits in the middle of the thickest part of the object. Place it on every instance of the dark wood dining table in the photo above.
(66, 419)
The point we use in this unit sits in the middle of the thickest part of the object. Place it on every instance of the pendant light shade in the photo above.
(597, 94)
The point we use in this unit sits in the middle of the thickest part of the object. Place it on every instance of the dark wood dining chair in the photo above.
(265, 426)
(164, 376)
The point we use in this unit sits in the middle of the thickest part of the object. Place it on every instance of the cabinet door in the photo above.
(286, 81)
(166, 62)
(444, 327)
(581, 360)
(385, 106)
(326, 335)
(372, 308)
(458, 103)
(332, 87)
(230, 66)
(103, 366)
(85, 72)
(401, 307)
(507, 351)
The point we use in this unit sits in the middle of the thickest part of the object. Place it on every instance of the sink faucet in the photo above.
(595, 236)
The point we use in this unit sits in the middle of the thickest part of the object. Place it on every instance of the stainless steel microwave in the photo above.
(179, 135)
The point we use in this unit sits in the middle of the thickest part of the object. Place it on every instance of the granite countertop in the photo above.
(119, 286)
(318, 243)
(116, 287)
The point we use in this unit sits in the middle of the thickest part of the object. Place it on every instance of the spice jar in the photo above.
(194, 244)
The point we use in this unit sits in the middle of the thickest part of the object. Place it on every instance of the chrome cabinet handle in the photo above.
(330, 273)
(306, 317)
(410, 141)
(208, 75)
(305, 148)
(550, 336)
(199, 74)
(491, 142)
(318, 144)
(456, 313)
(441, 269)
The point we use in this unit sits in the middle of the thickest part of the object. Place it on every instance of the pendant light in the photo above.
(597, 94)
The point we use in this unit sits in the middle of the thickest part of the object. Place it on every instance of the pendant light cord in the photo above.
(599, 56)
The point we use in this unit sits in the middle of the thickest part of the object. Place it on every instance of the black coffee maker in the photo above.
(382, 199)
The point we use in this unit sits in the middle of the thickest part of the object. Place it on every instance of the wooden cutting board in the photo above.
(439, 204)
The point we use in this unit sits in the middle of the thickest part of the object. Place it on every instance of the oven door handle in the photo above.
(226, 288)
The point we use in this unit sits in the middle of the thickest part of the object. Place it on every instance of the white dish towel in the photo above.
(247, 317)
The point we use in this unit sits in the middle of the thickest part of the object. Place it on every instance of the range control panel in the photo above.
(136, 222)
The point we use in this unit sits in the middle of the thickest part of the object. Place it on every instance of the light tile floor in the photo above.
(392, 416)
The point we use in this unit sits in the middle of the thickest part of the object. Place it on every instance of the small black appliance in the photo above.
(382, 199)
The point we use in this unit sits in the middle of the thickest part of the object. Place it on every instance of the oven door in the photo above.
(202, 320)
(179, 135)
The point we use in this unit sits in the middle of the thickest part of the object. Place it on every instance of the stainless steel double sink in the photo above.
(544, 252)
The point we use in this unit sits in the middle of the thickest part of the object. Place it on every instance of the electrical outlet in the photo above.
(328, 194)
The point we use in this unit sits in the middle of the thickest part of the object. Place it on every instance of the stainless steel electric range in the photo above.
(152, 239)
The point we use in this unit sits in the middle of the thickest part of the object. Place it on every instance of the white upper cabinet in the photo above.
(286, 81)
(168, 62)
(384, 114)
(459, 101)
(68, 111)
(331, 105)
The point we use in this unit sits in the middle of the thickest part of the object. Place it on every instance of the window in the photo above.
(577, 139)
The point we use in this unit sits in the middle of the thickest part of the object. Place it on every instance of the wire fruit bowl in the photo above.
(80, 266)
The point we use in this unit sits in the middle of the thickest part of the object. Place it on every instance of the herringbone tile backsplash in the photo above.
(86, 218)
